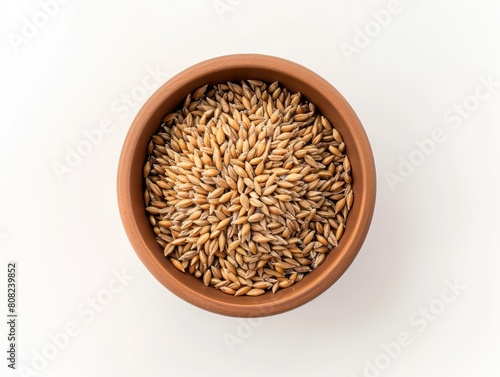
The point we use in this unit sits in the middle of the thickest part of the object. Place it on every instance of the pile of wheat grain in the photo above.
(248, 187)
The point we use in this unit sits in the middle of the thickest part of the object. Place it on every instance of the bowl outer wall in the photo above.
(234, 68)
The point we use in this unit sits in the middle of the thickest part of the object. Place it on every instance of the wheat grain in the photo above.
(248, 187)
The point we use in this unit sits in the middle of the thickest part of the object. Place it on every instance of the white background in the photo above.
(440, 224)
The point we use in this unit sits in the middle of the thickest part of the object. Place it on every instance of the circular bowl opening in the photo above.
(234, 68)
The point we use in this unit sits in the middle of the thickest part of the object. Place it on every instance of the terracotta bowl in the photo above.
(235, 68)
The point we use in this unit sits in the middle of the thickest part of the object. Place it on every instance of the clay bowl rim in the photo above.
(231, 68)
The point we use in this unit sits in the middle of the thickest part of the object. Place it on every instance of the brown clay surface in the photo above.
(235, 68)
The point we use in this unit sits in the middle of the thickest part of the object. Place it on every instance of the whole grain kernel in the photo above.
(247, 187)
